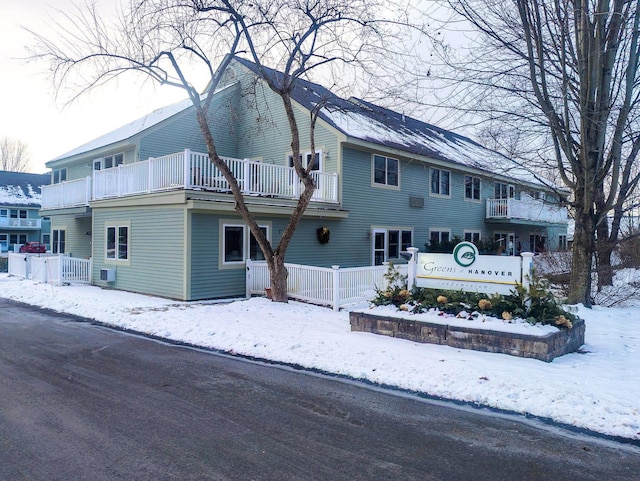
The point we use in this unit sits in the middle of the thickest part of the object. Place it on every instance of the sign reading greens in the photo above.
(465, 269)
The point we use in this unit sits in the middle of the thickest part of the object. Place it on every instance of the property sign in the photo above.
(467, 270)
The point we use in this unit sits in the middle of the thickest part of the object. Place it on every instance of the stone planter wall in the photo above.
(544, 348)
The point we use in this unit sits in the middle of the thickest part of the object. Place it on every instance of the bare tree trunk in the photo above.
(603, 245)
(278, 275)
(580, 283)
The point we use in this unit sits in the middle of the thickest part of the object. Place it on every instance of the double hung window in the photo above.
(440, 182)
(471, 187)
(117, 242)
(385, 171)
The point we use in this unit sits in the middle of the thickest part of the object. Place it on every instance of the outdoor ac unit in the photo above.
(108, 275)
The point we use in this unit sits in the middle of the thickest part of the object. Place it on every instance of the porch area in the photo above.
(325, 286)
(526, 208)
(186, 170)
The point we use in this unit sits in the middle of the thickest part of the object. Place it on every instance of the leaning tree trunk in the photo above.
(583, 247)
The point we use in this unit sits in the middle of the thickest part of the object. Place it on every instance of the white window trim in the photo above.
(57, 245)
(471, 199)
(306, 157)
(472, 231)
(100, 161)
(246, 239)
(441, 196)
(373, 173)
(440, 229)
(385, 231)
(117, 225)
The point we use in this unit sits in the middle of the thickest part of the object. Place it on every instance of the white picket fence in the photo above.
(328, 286)
(56, 269)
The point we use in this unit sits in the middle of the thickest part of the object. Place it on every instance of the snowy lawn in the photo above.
(597, 390)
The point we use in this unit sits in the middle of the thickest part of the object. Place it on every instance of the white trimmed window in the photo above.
(58, 175)
(117, 242)
(471, 187)
(386, 171)
(305, 159)
(504, 191)
(58, 241)
(438, 236)
(108, 161)
(472, 235)
(388, 243)
(239, 244)
(440, 182)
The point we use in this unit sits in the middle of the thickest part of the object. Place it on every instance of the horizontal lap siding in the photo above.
(207, 282)
(156, 249)
(263, 132)
(77, 242)
(183, 132)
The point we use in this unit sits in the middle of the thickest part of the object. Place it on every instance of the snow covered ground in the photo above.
(598, 389)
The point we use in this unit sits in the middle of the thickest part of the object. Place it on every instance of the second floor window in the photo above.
(471, 187)
(59, 175)
(440, 182)
(108, 162)
(504, 191)
(385, 170)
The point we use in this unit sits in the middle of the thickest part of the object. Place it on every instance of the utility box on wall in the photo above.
(108, 275)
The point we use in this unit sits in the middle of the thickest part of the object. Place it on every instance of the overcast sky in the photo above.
(28, 108)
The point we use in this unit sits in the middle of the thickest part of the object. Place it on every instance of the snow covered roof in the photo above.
(359, 119)
(127, 131)
(20, 189)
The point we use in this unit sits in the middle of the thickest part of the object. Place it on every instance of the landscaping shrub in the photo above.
(535, 304)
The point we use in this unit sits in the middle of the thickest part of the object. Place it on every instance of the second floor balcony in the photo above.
(526, 209)
(22, 224)
(186, 170)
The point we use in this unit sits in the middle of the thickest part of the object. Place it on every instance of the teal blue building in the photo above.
(157, 218)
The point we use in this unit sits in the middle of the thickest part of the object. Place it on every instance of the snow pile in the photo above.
(597, 389)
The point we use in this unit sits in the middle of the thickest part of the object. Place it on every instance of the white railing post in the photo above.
(247, 176)
(336, 288)
(527, 265)
(412, 267)
(187, 168)
(248, 280)
(334, 192)
(87, 190)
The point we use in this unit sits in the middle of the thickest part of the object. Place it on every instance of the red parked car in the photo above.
(33, 248)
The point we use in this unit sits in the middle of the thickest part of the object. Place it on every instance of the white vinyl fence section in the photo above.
(56, 269)
(332, 286)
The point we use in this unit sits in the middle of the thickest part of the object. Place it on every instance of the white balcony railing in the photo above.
(7, 222)
(526, 208)
(71, 193)
(197, 172)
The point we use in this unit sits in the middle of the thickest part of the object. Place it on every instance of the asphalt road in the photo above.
(83, 402)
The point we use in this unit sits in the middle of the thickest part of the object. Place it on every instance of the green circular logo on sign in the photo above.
(465, 254)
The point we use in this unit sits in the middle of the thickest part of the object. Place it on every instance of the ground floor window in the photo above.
(58, 243)
(46, 240)
(472, 236)
(439, 236)
(117, 242)
(537, 243)
(239, 244)
(17, 238)
(506, 243)
(388, 243)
